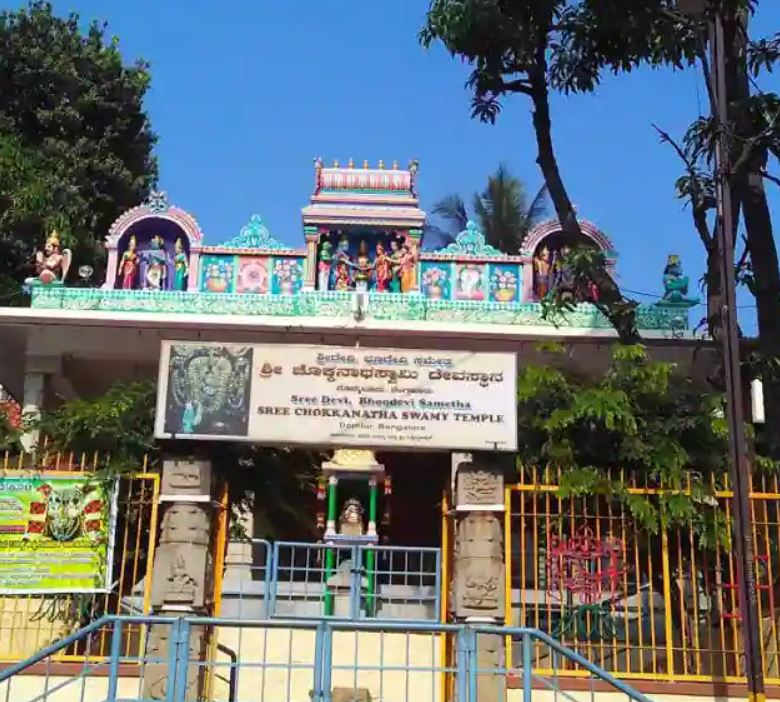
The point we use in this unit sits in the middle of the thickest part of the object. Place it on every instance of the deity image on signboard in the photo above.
(67, 523)
(208, 390)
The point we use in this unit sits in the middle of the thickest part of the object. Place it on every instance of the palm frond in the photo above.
(452, 210)
(537, 210)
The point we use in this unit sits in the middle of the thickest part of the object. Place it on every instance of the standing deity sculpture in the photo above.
(51, 264)
(395, 266)
(128, 265)
(542, 273)
(181, 267)
(563, 274)
(363, 268)
(408, 266)
(324, 265)
(383, 272)
(156, 265)
(343, 262)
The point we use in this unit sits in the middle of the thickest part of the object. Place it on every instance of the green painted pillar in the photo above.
(330, 528)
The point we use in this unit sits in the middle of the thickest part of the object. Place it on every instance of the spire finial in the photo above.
(365, 164)
(335, 163)
(395, 165)
(381, 164)
(351, 163)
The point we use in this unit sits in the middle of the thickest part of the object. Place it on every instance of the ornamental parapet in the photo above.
(332, 304)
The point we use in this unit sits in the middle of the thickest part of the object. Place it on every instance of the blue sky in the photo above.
(245, 93)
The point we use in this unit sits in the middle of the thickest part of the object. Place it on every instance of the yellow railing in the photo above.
(30, 621)
(642, 606)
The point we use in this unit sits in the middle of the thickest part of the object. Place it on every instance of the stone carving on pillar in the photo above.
(477, 486)
(183, 571)
(186, 480)
(183, 558)
(479, 568)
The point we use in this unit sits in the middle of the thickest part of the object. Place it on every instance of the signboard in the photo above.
(337, 396)
(56, 534)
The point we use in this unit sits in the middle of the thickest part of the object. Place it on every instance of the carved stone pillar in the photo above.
(478, 578)
(312, 239)
(183, 576)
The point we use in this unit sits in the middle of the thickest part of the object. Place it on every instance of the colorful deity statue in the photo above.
(156, 265)
(383, 272)
(343, 263)
(562, 273)
(51, 264)
(128, 265)
(181, 266)
(342, 282)
(324, 265)
(675, 284)
(363, 267)
(408, 266)
(395, 265)
(542, 273)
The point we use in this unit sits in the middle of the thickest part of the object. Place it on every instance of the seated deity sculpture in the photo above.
(51, 264)
(351, 520)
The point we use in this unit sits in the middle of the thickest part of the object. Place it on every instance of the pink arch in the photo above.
(184, 220)
(553, 226)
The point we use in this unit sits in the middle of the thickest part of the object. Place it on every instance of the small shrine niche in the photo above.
(363, 229)
(546, 270)
(367, 261)
(153, 247)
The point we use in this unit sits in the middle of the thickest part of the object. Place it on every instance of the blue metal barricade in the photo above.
(276, 660)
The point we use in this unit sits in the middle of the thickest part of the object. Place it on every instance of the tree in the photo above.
(75, 141)
(640, 417)
(502, 210)
(657, 33)
(526, 48)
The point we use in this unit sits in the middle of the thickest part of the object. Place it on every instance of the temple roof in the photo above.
(364, 196)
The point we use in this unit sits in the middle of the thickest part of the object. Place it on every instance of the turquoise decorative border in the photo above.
(381, 306)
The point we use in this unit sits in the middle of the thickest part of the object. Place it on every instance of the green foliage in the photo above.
(503, 210)
(75, 141)
(119, 423)
(640, 420)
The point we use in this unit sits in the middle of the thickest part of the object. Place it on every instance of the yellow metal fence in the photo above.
(30, 621)
(643, 606)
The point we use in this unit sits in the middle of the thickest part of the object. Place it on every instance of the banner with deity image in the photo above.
(337, 396)
(56, 533)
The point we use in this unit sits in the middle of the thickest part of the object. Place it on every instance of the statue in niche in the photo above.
(542, 273)
(408, 266)
(563, 275)
(351, 519)
(324, 266)
(675, 283)
(51, 264)
(363, 268)
(128, 265)
(343, 262)
(383, 272)
(395, 266)
(181, 266)
(156, 265)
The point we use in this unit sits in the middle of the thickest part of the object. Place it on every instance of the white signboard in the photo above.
(337, 396)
